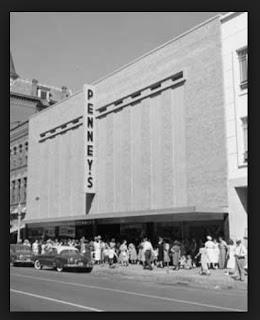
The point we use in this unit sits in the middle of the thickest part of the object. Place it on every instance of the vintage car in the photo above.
(63, 257)
(21, 255)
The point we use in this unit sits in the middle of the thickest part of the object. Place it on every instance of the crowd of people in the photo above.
(213, 253)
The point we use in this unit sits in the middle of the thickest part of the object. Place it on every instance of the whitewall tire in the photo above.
(37, 265)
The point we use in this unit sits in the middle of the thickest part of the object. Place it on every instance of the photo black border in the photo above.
(252, 177)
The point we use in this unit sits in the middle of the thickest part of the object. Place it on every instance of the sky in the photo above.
(74, 48)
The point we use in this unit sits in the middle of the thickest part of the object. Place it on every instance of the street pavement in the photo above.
(124, 289)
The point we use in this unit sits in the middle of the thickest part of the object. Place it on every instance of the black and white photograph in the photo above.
(128, 162)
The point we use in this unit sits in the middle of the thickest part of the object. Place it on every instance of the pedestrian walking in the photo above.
(209, 245)
(231, 261)
(204, 258)
(222, 253)
(240, 258)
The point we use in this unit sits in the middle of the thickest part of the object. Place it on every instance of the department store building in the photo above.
(141, 151)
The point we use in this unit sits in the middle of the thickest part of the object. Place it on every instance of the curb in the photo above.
(164, 277)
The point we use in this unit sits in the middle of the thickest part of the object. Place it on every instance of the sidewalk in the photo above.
(217, 280)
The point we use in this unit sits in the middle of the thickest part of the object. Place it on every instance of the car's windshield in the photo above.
(70, 252)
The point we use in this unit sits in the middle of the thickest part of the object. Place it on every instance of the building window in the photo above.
(242, 56)
(25, 188)
(14, 157)
(44, 94)
(26, 152)
(18, 191)
(13, 192)
(20, 154)
(244, 126)
(12, 198)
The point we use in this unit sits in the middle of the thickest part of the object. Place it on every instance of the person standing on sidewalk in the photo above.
(222, 253)
(193, 251)
(216, 254)
(231, 261)
(176, 254)
(204, 258)
(147, 248)
(240, 256)
(160, 253)
(112, 253)
(209, 245)
(132, 253)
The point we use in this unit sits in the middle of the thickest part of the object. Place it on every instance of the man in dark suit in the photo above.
(160, 253)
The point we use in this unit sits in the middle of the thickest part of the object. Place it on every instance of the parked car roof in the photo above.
(61, 248)
(20, 247)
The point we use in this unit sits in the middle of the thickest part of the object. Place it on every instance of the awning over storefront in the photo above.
(170, 214)
(15, 228)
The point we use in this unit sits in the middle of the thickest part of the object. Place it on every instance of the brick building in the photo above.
(26, 99)
(157, 163)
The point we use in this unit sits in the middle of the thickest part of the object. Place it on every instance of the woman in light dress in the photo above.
(231, 261)
(209, 245)
(132, 253)
(222, 253)
(35, 247)
(97, 249)
(204, 258)
(166, 256)
(123, 255)
(216, 254)
(141, 257)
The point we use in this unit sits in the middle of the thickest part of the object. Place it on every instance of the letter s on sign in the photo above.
(90, 183)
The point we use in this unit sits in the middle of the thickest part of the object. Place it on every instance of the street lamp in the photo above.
(19, 211)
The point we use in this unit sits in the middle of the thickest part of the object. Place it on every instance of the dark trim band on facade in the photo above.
(155, 88)
(61, 129)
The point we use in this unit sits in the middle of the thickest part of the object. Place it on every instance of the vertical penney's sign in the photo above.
(89, 139)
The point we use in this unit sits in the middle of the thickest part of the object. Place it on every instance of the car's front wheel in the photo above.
(37, 265)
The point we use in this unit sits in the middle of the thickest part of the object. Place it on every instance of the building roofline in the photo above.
(43, 85)
(54, 105)
(230, 15)
(22, 95)
(157, 49)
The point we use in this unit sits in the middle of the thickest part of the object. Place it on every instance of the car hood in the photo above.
(75, 257)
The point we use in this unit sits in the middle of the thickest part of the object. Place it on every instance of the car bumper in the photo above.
(84, 266)
(23, 262)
